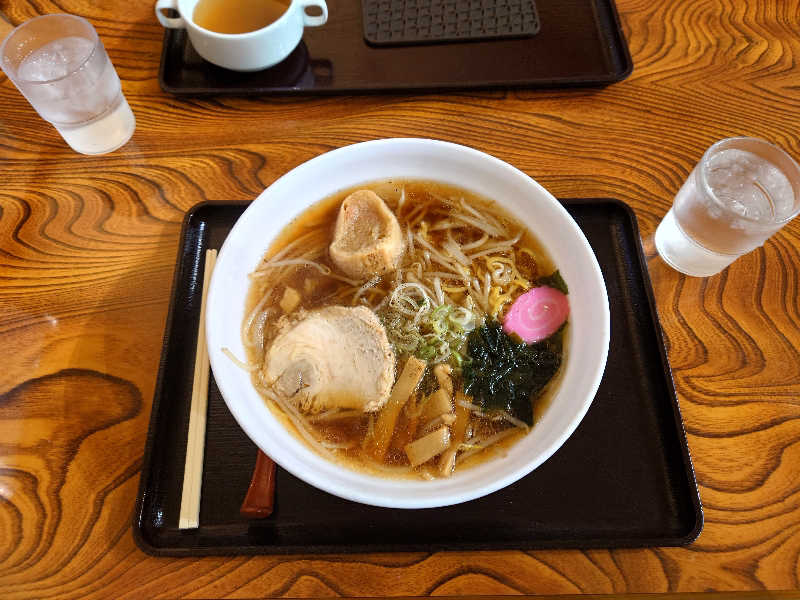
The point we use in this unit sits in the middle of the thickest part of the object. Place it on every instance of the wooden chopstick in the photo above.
(195, 444)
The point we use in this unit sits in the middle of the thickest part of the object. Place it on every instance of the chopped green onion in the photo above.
(431, 333)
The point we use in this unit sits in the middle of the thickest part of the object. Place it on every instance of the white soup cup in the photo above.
(251, 51)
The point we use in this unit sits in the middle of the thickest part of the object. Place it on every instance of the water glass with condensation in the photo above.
(741, 192)
(60, 65)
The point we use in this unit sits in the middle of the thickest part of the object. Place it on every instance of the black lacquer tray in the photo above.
(623, 479)
(578, 43)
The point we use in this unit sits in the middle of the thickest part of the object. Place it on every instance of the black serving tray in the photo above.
(579, 43)
(623, 479)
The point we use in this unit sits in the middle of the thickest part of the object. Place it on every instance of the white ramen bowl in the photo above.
(434, 160)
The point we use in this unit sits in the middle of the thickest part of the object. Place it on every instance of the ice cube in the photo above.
(56, 59)
(750, 185)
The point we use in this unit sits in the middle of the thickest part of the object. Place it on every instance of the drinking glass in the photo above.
(60, 65)
(741, 192)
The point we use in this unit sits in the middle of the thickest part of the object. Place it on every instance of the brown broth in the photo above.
(238, 16)
(319, 221)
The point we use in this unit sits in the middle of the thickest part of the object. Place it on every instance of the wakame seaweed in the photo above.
(554, 280)
(505, 374)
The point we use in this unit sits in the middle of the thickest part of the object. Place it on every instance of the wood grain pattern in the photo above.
(88, 246)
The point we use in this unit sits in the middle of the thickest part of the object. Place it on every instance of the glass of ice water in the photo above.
(741, 192)
(60, 65)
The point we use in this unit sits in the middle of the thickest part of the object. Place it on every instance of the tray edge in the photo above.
(139, 536)
(697, 504)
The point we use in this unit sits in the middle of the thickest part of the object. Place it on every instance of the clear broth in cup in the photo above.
(238, 16)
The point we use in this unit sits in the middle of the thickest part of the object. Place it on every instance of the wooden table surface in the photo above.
(88, 247)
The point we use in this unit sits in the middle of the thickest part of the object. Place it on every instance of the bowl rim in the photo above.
(316, 470)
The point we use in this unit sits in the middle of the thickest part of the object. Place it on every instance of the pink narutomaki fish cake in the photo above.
(537, 314)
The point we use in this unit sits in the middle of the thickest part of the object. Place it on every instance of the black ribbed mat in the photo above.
(398, 22)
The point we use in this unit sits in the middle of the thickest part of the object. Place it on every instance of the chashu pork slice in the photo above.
(367, 240)
(335, 357)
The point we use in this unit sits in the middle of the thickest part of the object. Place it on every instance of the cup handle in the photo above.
(316, 20)
(169, 22)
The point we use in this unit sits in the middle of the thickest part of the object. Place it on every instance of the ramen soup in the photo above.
(406, 328)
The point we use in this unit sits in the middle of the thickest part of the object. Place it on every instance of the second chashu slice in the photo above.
(335, 357)
(367, 240)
